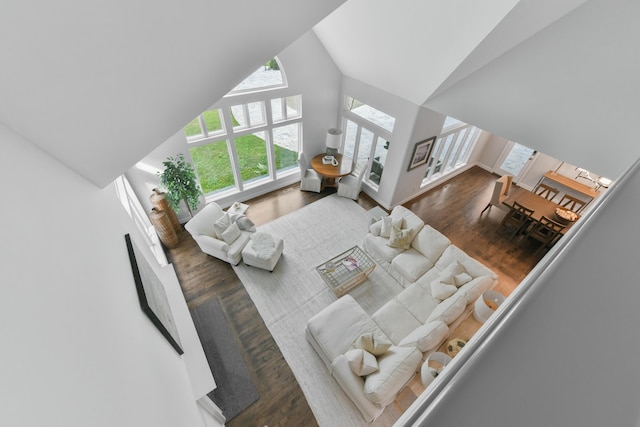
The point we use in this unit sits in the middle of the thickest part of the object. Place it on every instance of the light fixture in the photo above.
(333, 141)
(603, 182)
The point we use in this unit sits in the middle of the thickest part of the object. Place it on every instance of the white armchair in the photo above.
(310, 180)
(350, 185)
(201, 227)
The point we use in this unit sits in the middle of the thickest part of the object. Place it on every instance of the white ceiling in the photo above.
(100, 85)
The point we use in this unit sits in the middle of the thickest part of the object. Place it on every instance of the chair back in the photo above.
(546, 231)
(501, 189)
(546, 191)
(571, 203)
(518, 216)
(302, 162)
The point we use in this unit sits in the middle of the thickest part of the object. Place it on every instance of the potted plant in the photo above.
(179, 179)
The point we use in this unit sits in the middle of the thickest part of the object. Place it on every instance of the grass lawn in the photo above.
(212, 162)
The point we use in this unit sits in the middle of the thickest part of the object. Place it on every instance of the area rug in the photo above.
(294, 292)
(235, 389)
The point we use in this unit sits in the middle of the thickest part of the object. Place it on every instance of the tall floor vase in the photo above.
(162, 224)
(159, 200)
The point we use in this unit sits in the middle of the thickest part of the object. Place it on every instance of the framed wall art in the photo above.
(421, 152)
(152, 295)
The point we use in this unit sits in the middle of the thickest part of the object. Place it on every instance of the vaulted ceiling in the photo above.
(100, 85)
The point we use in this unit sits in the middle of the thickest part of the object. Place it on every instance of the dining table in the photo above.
(328, 171)
(540, 206)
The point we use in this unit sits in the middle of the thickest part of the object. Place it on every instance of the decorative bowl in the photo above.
(565, 216)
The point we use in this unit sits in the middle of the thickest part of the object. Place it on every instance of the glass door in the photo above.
(515, 160)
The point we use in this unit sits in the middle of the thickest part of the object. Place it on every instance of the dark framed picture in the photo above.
(152, 296)
(421, 152)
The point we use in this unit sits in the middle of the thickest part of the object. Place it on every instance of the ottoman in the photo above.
(263, 251)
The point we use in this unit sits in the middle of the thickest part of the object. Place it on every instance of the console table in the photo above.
(570, 183)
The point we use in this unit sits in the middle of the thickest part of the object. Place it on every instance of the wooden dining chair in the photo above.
(572, 203)
(518, 217)
(546, 231)
(546, 191)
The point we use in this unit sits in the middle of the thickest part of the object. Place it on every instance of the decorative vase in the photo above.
(159, 200)
(163, 227)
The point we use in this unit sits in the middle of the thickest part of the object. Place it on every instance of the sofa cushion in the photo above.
(411, 264)
(236, 247)
(361, 362)
(335, 328)
(417, 301)
(441, 290)
(449, 309)
(373, 342)
(400, 238)
(395, 370)
(377, 247)
(430, 243)
(427, 336)
(395, 321)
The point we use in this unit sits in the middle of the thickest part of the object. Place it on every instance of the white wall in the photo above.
(562, 349)
(77, 350)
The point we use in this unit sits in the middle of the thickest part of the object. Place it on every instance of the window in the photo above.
(135, 210)
(269, 76)
(367, 135)
(251, 136)
(452, 148)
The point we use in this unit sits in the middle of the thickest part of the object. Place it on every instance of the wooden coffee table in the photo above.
(347, 270)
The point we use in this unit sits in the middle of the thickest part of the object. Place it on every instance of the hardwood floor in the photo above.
(453, 208)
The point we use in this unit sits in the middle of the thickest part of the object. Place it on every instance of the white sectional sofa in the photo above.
(441, 282)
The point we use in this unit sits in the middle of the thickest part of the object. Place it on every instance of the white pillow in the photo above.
(442, 291)
(461, 279)
(427, 336)
(361, 362)
(387, 225)
(231, 234)
(399, 238)
(221, 225)
(454, 268)
(374, 343)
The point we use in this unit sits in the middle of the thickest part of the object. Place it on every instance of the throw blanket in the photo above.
(244, 223)
(263, 244)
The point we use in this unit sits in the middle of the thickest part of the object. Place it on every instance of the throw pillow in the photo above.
(221, 225)
(399, 238)
(372, 342)
(361, 362)
(461, 279)
(387, 225)
(427, 336)
(231, 234)
(442, 291)
(454, 268)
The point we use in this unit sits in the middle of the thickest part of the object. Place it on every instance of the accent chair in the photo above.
(310, 180)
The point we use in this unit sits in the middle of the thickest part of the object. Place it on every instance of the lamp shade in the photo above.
(333, 138)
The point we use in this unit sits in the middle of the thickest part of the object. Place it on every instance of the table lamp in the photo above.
(333, 141)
